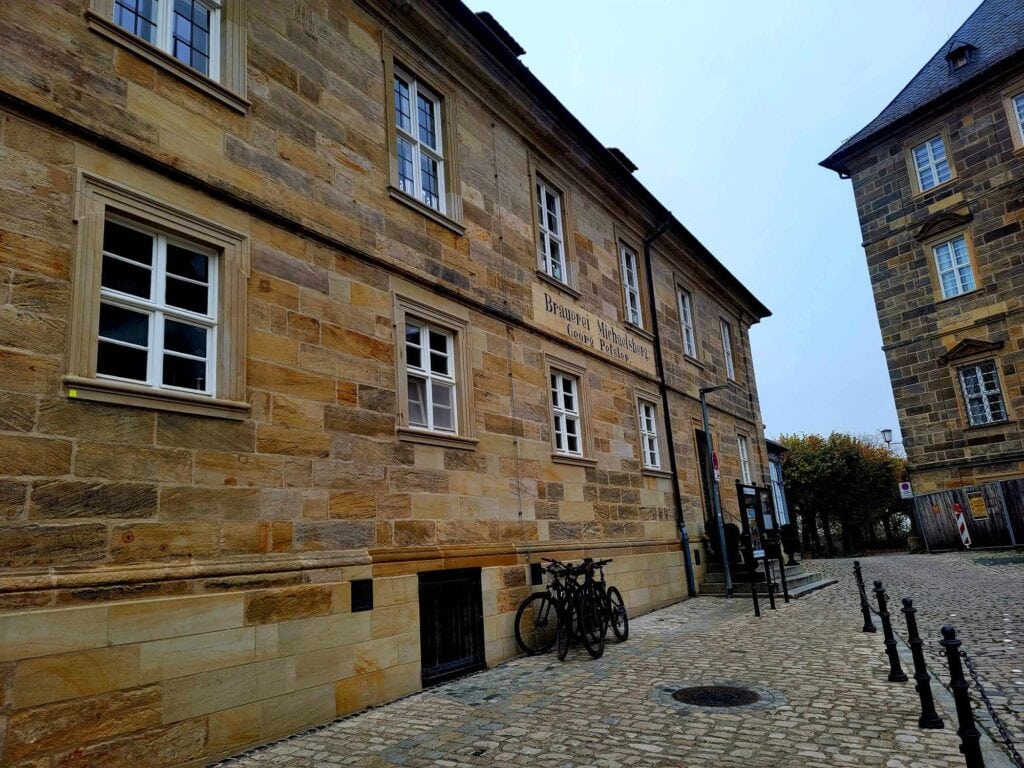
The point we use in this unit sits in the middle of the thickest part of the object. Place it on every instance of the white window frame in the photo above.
(629, 264)
(1017, 102)
(165, 33)
(987, 393)
(744, 451)
(423, 371)
(547, 235)
(931, 162)
(730, 362)
(419, 148)
(562, 383)
(957, 264)
(158, 310)
(650, 444)
(686, 321)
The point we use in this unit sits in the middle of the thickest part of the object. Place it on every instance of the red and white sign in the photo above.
(961, 523)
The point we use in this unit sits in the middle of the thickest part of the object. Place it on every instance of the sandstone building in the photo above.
(938, 178)
(320, 322)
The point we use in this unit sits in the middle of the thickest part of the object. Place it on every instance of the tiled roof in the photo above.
(996, 32)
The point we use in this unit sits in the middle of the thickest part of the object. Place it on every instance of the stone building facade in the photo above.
(937, 179)
(301, 303)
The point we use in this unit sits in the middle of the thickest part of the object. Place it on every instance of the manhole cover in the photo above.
(716, 696)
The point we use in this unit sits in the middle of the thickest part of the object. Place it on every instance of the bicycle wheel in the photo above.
(536, 624)
(592, 625)
(620, 619)
(564, 632)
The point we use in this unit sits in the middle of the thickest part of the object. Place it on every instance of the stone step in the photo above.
(740, 574)
(799, 588)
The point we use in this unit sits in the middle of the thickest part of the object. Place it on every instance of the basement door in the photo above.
(451, 624)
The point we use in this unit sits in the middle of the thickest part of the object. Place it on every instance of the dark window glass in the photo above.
(185, 373)
(186, 263)
(124, 325)
(127, 242)
(137, 16)
(126, 277)
(187, 295)
(185, 338)
(125, 362)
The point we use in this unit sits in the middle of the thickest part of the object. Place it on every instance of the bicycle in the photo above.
(536, 624)
(581, 615)
(614, 605)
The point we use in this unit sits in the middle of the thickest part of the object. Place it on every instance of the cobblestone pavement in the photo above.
(828, 703)
(980, 593)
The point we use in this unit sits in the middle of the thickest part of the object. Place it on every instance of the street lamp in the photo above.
(887, 439)
(716, 503)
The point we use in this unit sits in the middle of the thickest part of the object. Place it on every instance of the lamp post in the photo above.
(716, 503)
(887, 439)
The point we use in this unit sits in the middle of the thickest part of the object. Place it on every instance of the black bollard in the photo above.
(968, 732)
(929, 717)
(865, 608)
(896, 674)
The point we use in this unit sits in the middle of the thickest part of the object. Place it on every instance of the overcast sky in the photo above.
(727, 108)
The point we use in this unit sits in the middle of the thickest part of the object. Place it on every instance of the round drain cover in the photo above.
(716, 696)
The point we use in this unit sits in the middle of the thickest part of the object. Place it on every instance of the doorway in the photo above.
(451, 624)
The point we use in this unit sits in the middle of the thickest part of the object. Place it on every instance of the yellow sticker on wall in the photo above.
(72, 393)
(979, 508)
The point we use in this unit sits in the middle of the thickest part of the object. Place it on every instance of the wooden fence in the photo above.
(994, 513)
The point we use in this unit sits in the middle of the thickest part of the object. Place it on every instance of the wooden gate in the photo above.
(451, 624)
(994, 513)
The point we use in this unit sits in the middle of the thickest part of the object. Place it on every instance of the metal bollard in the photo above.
(896, 673)
(929, 717)
(865, 608)
(968, 731)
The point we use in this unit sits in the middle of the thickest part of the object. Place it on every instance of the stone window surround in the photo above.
(651, 396)
(908, 156)
(1009, 93)
(95, 197)
(743, 458)
(625, 236)
(561, 363)
(421, 305)
(560, 183)
(397, 56)
(965, 419)
(230, 88)
(681, 284)
(933, 269)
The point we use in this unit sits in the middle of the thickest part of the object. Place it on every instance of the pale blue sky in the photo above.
(727, 107)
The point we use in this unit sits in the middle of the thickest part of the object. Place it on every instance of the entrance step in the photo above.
(799, 586)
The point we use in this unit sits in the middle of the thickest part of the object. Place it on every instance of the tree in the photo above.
(845, 490)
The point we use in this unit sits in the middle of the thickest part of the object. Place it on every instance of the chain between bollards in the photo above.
(929, 717)
(869, 625)
(896, 673)
(970, 737)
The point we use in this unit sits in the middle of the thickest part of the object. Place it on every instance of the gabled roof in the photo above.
(995, 31)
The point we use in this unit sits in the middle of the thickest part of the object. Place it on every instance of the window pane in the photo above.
(439, 364)
(428, 129)
(187, 295)
(126, 277)
(186, 263)
(438, 342)
(127, 242)
(185, 373)
(402, 117)
(429, 179)
(124, 325)
(944, 257)
(185, 338)
(124, 362)
(443, 407)
(413, 353)
(405, 167)
(417, 400)
(137, 17)
(556, 261)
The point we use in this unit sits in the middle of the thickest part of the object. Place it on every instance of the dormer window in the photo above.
(960, 56)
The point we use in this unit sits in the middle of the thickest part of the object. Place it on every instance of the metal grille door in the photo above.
(451, 624)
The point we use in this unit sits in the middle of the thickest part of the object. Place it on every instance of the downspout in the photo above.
(684, 536)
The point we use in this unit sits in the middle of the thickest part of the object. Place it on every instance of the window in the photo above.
(778, 491)
(565, 409)
(631, 285)
(1018, 113)
(741, 444)
(931, 163)
(159, 305)
(686, 320)
(551, 240)
(430, 377)
(189, 30)
(983, 396)
(953, 263)
(420, 154)
(649, 446)
(730, 362)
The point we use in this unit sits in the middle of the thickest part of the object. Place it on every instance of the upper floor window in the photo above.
(953, 263)
(931, 163)
(686, 320)
(189, 30)
(430, 377)
(631, 285)
(983, 396)
(565, 409)
(744, 452)
(419, 150)
(550, 232)
(730, 362)
(1018, 113)
(649, 446)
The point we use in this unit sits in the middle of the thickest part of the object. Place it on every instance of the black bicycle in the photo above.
(536, 624)
(614, 605)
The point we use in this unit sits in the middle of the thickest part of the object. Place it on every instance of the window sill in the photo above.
(920, 193)
(163, 60)
(995, 427)
(425, 437)
(692, 361)
(940, 301)
(444, 220)
(564, 287)
(120, 393)
(639, 331)
(651, 472)
(579, 461)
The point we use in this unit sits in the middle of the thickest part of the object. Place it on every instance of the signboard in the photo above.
(714, 466)
(566, 318)
(753, 520)
(906, 492)
(961, 524)
(979, 507)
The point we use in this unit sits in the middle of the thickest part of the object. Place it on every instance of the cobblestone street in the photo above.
(828, 701)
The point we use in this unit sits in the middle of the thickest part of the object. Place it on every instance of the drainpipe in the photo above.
(684, 536)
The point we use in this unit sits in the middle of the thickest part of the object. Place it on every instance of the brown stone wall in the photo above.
(917, 327)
